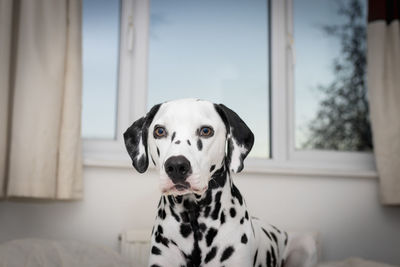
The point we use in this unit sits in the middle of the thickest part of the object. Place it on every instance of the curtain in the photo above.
(40, 99)
(383, 77)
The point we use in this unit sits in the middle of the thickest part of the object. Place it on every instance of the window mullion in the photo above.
(125, 69)
(133, 63)
(140, 48)
(279, 90)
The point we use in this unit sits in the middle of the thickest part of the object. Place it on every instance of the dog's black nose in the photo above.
(178, 168)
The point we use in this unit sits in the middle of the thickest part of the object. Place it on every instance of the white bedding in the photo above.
(354, 262)
(47, 253)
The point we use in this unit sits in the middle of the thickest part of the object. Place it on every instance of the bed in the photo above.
(134, 248)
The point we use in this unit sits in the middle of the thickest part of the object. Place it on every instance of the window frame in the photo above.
(285, 159)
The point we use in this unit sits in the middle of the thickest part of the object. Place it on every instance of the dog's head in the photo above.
(188, 140)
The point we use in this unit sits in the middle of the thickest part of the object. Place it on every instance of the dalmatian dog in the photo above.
(202, 219)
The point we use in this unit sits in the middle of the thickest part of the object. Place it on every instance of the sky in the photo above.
(211, 49)
(100, 67)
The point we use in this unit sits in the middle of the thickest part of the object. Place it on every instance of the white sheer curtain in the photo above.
(384, 94)
(40, 98)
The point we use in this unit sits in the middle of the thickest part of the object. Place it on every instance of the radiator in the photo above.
(135, 246)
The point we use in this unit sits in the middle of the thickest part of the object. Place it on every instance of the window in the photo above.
(101, 21)
(213, 50)
(242, 54)
(329, 77)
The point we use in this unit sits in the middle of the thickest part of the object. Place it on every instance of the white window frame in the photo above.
(286, 160)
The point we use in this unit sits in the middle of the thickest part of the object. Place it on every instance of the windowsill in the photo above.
(254, 166)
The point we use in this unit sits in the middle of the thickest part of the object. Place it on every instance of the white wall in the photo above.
(345, 211)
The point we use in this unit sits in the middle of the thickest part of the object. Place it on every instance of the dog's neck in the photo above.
(192, 211)
(188, 208)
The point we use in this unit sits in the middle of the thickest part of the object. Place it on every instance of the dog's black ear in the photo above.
(240, 138)
(136, 140)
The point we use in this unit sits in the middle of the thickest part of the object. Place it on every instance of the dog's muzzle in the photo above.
(178, 169)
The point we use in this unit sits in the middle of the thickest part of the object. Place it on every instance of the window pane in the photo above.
(213, 50)
(330, 87)
(100, 67)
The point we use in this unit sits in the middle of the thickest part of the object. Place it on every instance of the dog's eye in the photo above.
(206, 131)
(159, 132)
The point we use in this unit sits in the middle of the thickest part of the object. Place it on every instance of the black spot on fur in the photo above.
(171, 201)
(160, 229)
(232, 211)
(266, 233)
(178, 142)
(236, 193)
(210, 255)
(173, 136)
(227, 253)
(173, 213)
(155, 265)
(212, 232)
(199, 235)
(155, 250)
(195, 256)
(153, 161)
(286, 238)
(218, 179)
(246, 215)
(185, 216)
(222, 218)
(212, 168)
(162, 214)
(165, 241)
(279, 231)
(207, 211)
(158, 151)
(199, 145)
(188, 142)
(218, 196)
(255, 258)
(274, 237)
(207, 199)
(269, 259)
(217, 208)
(161, 239)
(273, 256)
(178, 199)
(202, 227)
(244, 239)
(242, 220)
(187, 204)
(185, 229)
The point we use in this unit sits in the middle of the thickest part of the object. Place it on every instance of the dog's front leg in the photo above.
(163, 254)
